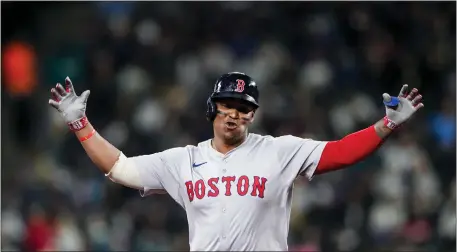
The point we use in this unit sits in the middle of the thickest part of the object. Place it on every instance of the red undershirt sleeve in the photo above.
(349, 150)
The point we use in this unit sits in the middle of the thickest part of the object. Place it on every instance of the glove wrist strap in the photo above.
(79, 124)
(389, 123)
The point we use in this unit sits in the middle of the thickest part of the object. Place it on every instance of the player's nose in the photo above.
(233, 113)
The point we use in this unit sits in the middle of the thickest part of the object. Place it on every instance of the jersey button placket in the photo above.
(224, 170)
(225, 228)
(224, 165)
(226, 221)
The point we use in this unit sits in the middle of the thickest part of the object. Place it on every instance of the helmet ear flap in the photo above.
(211, 109)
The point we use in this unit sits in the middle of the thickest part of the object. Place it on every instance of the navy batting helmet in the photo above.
(232, 85)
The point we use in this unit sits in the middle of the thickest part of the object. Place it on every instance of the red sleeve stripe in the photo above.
(349, 150)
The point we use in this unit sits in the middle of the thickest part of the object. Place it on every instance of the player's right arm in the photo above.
(154, 173)
(103, 154)
(73, 110)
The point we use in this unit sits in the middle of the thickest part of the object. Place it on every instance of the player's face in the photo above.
(232, 120)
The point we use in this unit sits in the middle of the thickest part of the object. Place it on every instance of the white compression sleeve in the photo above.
(124, 172)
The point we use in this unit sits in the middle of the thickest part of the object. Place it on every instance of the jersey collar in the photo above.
(220, 155)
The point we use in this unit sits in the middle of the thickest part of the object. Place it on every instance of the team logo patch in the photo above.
(239, 85)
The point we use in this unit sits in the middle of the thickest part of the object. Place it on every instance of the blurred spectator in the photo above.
(443, 124)
(19, 68)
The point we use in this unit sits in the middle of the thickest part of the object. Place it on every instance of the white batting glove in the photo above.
(71, 107)
(400, 109)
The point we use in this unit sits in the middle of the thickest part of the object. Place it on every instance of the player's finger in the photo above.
(54, 104)
(55, 95)
(403, 91)
(412, 94)
(85, 95)
(416, 100)
(386, 97)
(389, 101)
(60, 89)
(69, 85)
(419, 106)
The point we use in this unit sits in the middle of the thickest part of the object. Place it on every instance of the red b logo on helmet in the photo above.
(239, 86)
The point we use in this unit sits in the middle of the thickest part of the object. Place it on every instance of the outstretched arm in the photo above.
(103, 154)
(357, 146)
(73, 109)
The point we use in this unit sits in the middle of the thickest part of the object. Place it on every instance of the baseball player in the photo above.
(236, 188)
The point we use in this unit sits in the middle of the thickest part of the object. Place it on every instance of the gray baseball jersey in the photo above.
(237, 201)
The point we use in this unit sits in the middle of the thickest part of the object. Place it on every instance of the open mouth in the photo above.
(231, 125)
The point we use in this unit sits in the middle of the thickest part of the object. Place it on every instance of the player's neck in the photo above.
(222, 147)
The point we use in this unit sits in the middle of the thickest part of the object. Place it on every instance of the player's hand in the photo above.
(71, 107)
(400, 109)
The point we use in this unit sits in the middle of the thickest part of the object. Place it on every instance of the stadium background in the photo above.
(321, 68)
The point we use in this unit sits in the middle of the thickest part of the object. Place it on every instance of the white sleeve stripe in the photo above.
(124, 172)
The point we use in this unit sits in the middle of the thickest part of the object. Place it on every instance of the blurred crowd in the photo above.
(321, 68)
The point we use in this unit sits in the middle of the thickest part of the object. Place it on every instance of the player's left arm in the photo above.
(357, 146)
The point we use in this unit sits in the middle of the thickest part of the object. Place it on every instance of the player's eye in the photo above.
(239, 107)
(229, 106)
(244, 110)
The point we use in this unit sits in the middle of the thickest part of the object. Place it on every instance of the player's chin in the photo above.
(232, 138)
(228, 134)
(233, 133)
